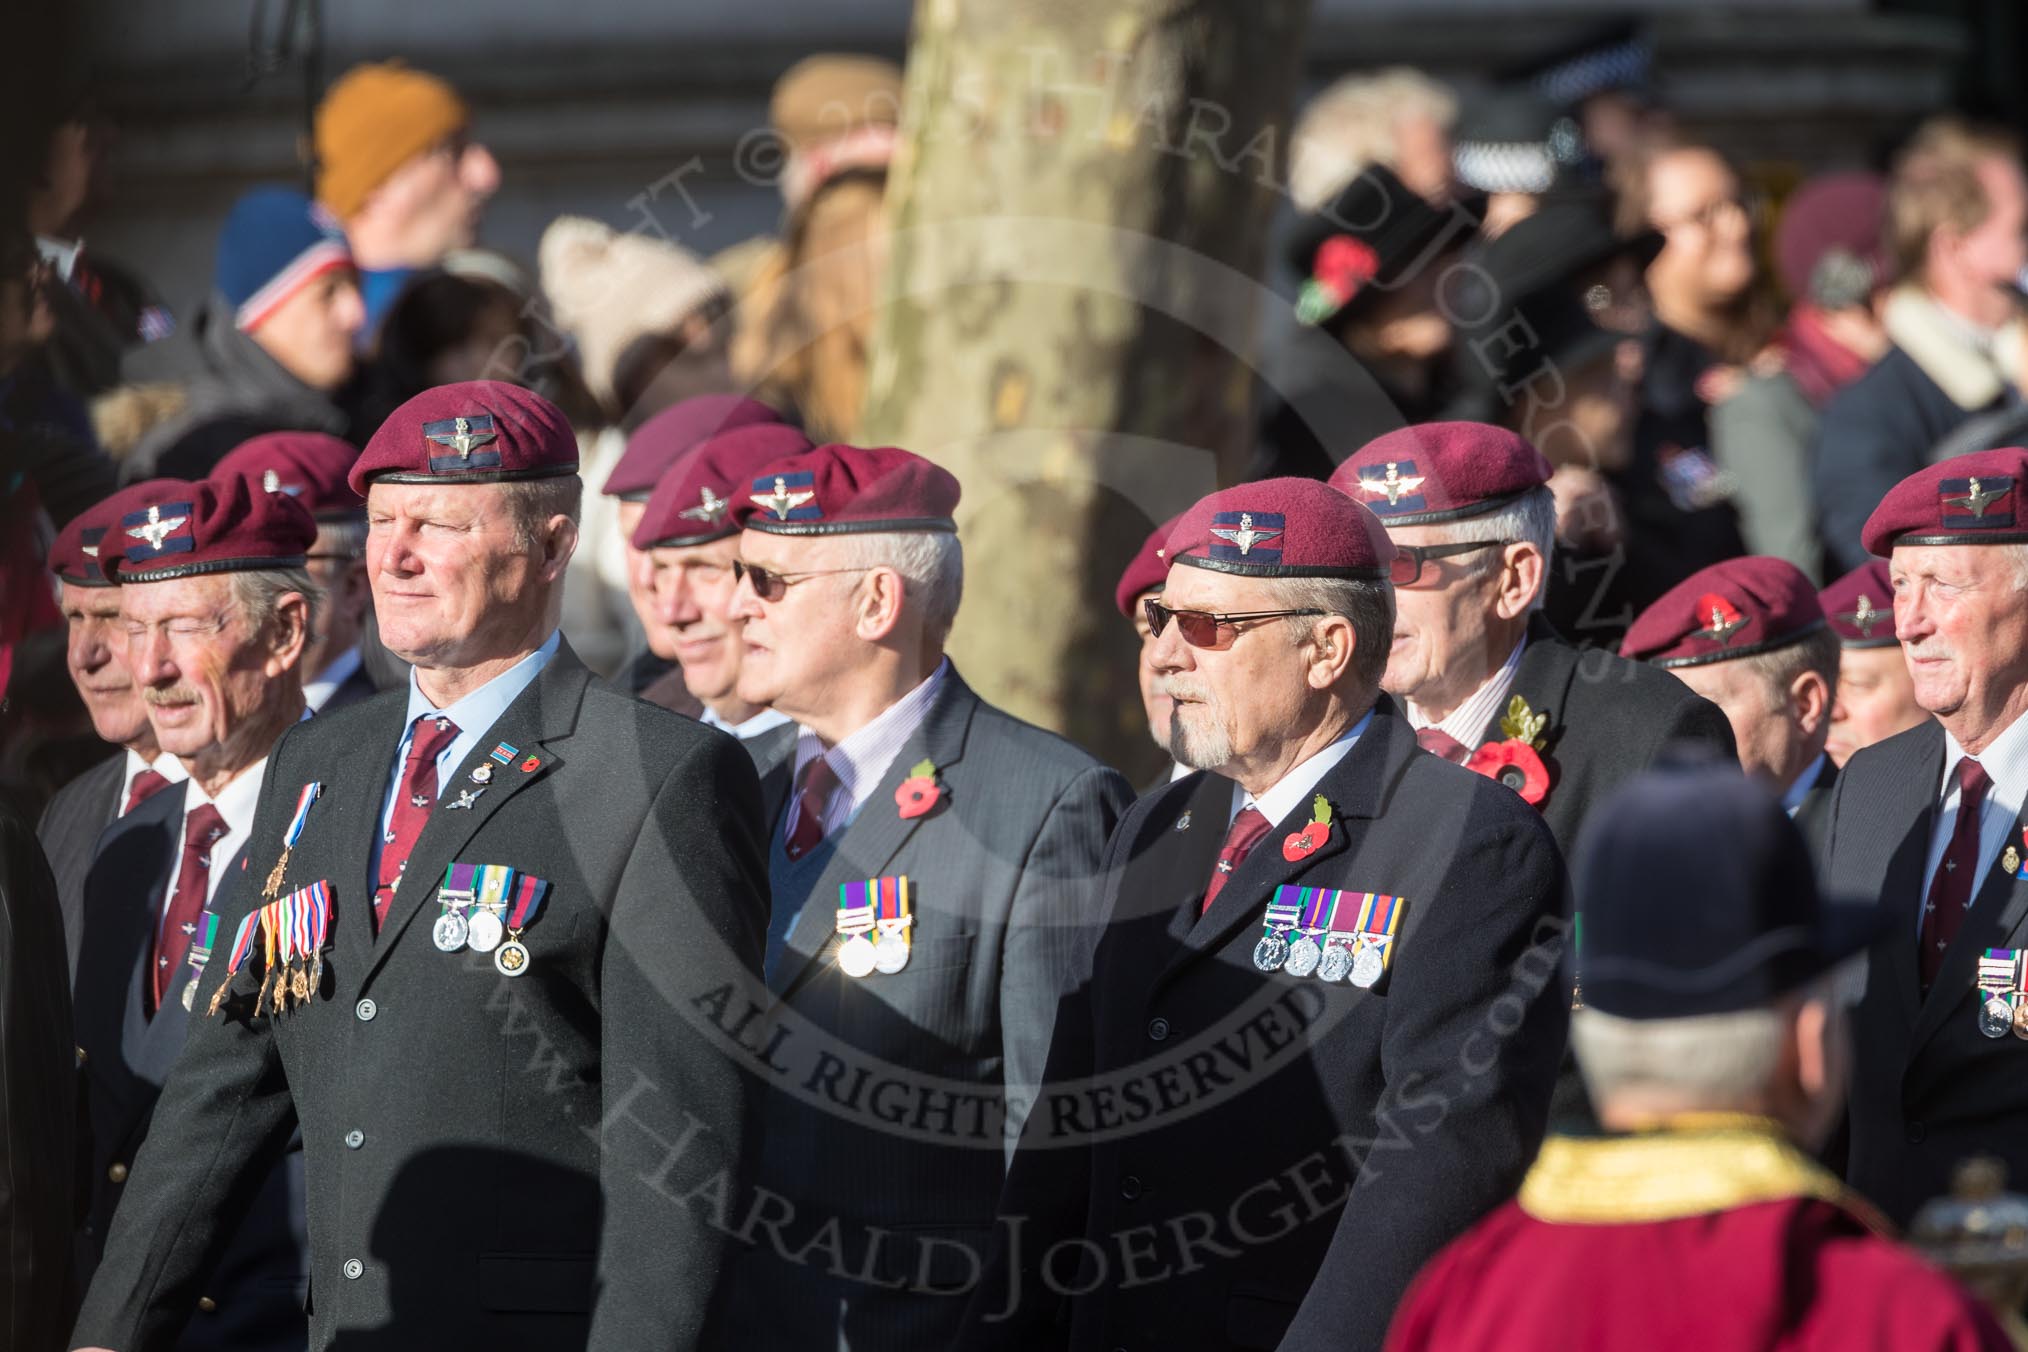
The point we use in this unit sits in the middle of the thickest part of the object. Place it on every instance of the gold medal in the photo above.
(275, 877)
(2010, 861)
(2021, 1019)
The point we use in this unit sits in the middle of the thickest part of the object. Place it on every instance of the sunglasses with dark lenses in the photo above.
(1206, 629)
(771, 586)
(1409, 560)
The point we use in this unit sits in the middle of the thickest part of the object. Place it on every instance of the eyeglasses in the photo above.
(772, 586)
(1410, 560)
(1204, 628)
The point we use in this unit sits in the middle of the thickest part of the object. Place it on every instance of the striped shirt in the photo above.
(1467, 723)
(862, 760)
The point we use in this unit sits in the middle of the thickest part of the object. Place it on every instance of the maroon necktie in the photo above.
(201, 830)
(1950, 891)
(811, 800)
(145, 786)
(1246, 830)
(1437, 742)
(412, 804)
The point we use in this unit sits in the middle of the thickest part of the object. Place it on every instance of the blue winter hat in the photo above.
(275, 240)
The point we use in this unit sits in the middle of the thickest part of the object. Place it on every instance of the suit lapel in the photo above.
(542, 714)
(1542, 680)
(774, 756)
(123, 893)
(1998, 907)
(873, 838)
(1355, 788)
(1183, 869)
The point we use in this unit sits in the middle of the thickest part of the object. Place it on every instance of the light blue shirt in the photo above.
(1792, 801)
(475, 716)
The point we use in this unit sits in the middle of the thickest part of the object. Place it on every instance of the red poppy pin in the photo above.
(919, 792)
(531, 765)
(1306, 841)
(1517, 761)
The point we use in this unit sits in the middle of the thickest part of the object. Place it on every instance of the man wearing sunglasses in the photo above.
(690, 544)
(311, 468)
(1141, 581)
(1468, 509)
(1276, 1089)
(910, 820)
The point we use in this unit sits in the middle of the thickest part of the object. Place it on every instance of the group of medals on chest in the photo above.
(1333, 934)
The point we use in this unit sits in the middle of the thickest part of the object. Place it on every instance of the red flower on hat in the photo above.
(1342, 266)
(1721, 618)
(918, 793)
(1517, 765)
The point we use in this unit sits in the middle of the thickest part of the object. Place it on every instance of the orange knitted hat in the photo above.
(374, 120)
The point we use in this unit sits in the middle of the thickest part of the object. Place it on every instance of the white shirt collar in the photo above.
(2005, 762)
(1805, 781)
(236, 801)
(335, 674)
(479, 709)
(1294, 788)
(1468, 722)
(764, 721)
(861, 760)
(165, 765)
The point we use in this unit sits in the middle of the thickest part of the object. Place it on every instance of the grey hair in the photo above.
(1778, 669)
(1714, 1061)
(932, 567)
(1368, 605)
(347, 537)
(533, 501)
(258, 592)
(1530, 518)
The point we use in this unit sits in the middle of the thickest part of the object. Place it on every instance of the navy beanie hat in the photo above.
(274, 241)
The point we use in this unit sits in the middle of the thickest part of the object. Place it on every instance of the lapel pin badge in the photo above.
(1305, 842)
(919, 792)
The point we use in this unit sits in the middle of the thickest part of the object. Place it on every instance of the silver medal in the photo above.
(1367, 965)
(190, 993)
(856, 956)
(1303, 957)
(511, 958)
(450, 931)
(1271, 952)
(1996, 1017)
(484, 932)
(1335, 964)
(890, 955)
(482, 774)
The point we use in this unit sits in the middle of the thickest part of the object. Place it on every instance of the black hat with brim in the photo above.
(1696, 895)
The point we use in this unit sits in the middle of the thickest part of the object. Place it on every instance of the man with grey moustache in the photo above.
(215, 611)
(1316, 1029)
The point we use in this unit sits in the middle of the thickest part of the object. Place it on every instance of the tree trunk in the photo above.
(1079, 215)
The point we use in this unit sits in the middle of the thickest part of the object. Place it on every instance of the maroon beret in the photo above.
(309, 466)
(1282, 528)
(1147, 571)
(79, 555)
(1860, 606)
(657, 442)
(1841, 214)
(172, 528)
(838, 490)
(1444, 471)
(1737, 608)
(1966, 500)
(693, 503)
(473, 432)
